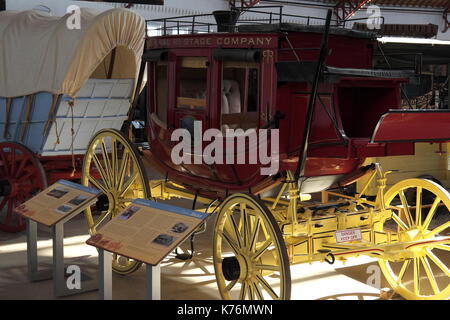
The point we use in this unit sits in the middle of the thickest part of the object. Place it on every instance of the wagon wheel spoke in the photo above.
(114, 162)
(257, 290)
(128, 184)
(101, 171)
(418, 206)
(442, 247)
(255, 235)
(242, 293)
(399, 222)
(403, 270)
(406, 210)
(123, 168)
(438, 262)
(439, 229)
(267, 287)
(231, 285)
(431, 213)
(416, 276)
(108, 167)
(262, 249)
(98, 184)
(430, 275)
(234, 246)
(267, 267)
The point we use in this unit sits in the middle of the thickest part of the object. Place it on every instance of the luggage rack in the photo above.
(261, 15)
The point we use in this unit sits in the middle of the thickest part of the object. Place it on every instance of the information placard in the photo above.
(147, 231)
(57, 202)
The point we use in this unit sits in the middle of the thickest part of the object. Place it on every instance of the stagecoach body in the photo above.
(261, 77)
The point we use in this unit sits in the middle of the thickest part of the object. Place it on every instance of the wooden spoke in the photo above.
(430, 214)
(403, 270)
(128, 184)
(231, 285)
(399, 221)
(418, 206)
(438, 262)
(98, 184)
(108, 167)
(242, 293)
(236, 231)
(257, 290)
(255, 233)
(416, 277)
(267, 267)
(406, 210)
(123, 168)
(101, 171)
(267, 287)
(430, 275)
(234, 246)
(439, 229)
(262, 249)
(101, 218)
(442, 247)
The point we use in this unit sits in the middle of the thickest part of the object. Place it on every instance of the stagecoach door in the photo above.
(191, 103)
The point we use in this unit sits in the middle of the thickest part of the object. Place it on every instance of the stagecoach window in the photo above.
(192, 77)
(161, 90)
(240, 82)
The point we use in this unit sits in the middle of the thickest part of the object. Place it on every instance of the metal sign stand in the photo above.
(153, 274)
(60, 288)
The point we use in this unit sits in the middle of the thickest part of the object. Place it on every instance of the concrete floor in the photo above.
(180, 280)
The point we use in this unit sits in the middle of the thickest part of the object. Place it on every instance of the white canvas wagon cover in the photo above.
(39, 53)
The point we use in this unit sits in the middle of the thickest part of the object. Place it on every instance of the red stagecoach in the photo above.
(315, 84)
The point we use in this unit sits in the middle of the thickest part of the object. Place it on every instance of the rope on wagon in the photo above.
(30, 100)
(72, 132)
(52, 119)
(6, 134)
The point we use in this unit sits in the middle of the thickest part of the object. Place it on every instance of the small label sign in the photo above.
(348, 235)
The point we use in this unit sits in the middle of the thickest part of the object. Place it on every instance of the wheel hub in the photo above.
(231, 268)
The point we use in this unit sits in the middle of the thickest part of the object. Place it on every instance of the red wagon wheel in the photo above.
(21, 177)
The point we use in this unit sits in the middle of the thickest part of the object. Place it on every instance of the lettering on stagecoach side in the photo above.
(210, 41)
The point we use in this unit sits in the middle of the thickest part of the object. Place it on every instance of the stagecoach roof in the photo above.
(296, 27)
(39, 52)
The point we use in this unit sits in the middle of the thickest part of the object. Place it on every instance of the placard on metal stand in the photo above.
(52, 208)
(57, 273)
(153, 278)
(153, 231)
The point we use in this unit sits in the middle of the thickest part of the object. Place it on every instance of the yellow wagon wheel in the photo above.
(250, 256)
(422, 271)
(112, 165)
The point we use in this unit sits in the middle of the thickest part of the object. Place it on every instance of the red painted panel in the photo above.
(402, 126)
